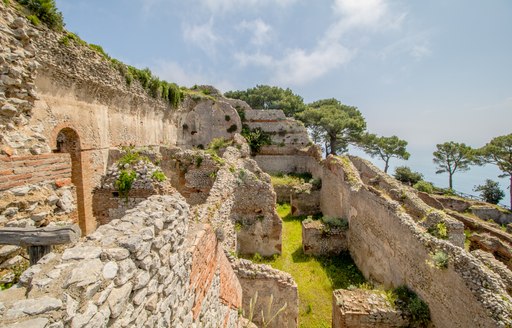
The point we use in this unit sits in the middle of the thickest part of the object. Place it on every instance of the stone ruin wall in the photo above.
(391, 248)
(321, 240)
(291, 150)
(47, 86)
(151, 268)
(80, 93)
(270, 285)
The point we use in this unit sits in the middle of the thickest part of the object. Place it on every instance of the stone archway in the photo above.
(67, 140)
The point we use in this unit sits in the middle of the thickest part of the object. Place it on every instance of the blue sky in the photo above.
(426, 71)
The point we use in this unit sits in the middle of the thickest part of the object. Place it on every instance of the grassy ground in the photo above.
(316, 277)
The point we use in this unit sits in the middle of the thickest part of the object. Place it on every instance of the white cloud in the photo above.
(257, 59)
(202, 36)
(261, 31)
(415, 45)
(419, 51)
(173, 72)
(233, 5)
(298, 66)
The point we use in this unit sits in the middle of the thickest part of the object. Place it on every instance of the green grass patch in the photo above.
(316, 277)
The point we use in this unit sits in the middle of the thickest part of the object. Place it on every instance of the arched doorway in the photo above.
(68, 141)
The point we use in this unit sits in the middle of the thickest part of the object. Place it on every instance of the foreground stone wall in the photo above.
(147, 269)
(364, 309)
(268, 282)
(390, 248)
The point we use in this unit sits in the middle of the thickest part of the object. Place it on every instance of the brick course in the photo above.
(20, 170)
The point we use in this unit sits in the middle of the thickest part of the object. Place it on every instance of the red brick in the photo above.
(204, 265)
(11, 185)
(63, 182)
(6, 172)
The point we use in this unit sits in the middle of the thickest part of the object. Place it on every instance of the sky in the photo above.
(426, 71)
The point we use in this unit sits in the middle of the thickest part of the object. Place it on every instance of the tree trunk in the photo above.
(386, 167)
(333, 141)
(451, 182)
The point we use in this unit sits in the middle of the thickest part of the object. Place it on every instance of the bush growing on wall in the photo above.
(46, 11)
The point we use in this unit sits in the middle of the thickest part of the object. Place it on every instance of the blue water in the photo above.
(421, 161)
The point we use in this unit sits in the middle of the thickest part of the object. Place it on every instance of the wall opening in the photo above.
(68, 141)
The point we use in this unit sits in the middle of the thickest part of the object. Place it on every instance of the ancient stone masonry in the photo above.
(110, 204)
(207, 119)
(486, 235)
(364, 309)
(247, 226)
(268, 283)
(392, 246)
(304, 198)
(191, 172)
(146, 269)
(17, 88)
(319, 239)
(291, 149)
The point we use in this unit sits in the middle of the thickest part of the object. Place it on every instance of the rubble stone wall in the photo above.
(390, 248)
(142, 270)
(364, 309)
(268, 282)
(320, 240)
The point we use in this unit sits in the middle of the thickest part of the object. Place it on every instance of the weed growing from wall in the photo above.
(439, 230)
(256, 138)
(439, 260)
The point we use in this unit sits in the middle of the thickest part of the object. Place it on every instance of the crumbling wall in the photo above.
(191, 172)
(267, 283)
(321, 240)
(110, 204)
(241, 204)
(291, 150)
(151, 268)
(364, 309)
(206, 119)
(304, 198)
(391, 248)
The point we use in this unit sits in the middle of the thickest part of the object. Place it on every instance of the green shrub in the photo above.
(219, 143)
(424, 186)
(490, 191)
(130, 156)
(256, 138)
(241, 112)
(71, 37)
(405, 175)
(158, 176)
(439, 230)
(335, 223)
(46, 11)
(34, 20)
(7, 2)
(440, 259)
(124, 182)
(412, 305)
(99, 49)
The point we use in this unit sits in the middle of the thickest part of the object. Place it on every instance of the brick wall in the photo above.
(21, 170)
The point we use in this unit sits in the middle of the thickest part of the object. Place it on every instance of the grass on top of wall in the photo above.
(316, 277)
